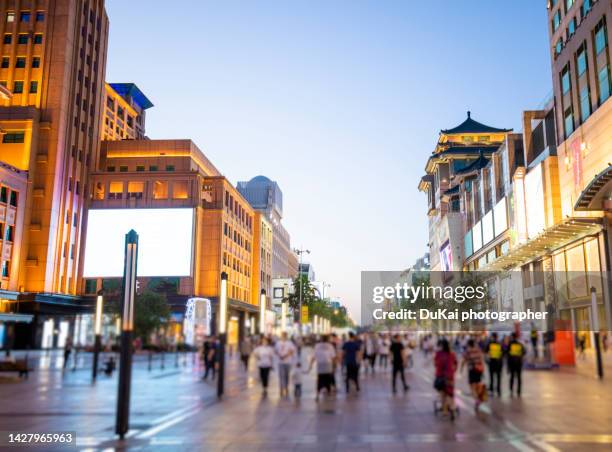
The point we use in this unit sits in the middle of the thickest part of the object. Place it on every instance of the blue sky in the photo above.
(340, 102)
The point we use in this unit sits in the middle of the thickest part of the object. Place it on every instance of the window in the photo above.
(123, 168)
(120, 112)
(33, 87)
(22, 38)
(40, 16)
(556, 20)
(25, 16)
(5, 62)
(10, 16)
(140, 168)
(571, 27)
(5, 269)
(8, 233)
(135, 190)
(160, 189)
(601, 40)
(169, 167)
(581, 61)
(8, 39)
(3, 194)
(3, 83)
(585, 103)
(38, 38)
(130, 121)
(13, 137)
(35, 62)
(180, 189)
(568, 119)
(568, 4)
(152, 167)
(558, 46)
(604, 84)
(115, 190)
(585, 8)
(110, 169)
(13, 198)
(20, 62)
(565, 80)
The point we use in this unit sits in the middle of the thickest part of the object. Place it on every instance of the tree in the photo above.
(308, 293)
(151, 311)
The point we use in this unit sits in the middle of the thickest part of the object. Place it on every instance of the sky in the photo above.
(340, 102)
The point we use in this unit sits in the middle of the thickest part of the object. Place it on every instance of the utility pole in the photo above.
(300, 252)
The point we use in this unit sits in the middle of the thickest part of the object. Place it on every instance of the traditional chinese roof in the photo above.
(476, 165)
(471, 126)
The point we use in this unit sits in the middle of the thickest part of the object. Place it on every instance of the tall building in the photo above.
(263, 243)
(53, 65)
(266, 196)
(124, 112)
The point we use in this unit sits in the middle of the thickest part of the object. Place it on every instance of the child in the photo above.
(296, 378)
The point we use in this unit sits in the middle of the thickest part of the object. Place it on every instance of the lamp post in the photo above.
(127, 325)
(315, 319)
(222, 333)
(300, 252)
(98, 333)
(262, 312)
(595, 326)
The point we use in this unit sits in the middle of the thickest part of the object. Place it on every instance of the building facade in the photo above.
(124, 112)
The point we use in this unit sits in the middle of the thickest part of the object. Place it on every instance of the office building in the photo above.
(124, 112)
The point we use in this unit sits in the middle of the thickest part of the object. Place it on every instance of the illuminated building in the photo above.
(146, 174)
(262, 257)
(53, 65)
(124, 112)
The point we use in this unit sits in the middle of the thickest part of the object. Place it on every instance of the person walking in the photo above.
(246, 348)
(495, 356)
(210, 357)
(383, 351)
(370, 350)
(445, 362)
(324, 355)
(67, 350)
(473, 358)
(264, 356)
(534, 340)
(351, 357)
(398, 362)
(286, 352)
(516, 352)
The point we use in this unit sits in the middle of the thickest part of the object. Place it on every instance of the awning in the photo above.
(549, 240)
(23, 318)
(597, 193)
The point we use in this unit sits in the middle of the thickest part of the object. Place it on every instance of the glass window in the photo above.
(38, 38)
(25, 16)
(169, 167)
(3, 195)
(13, 198)
(585, 103)
(569, 122)
(20, 62)
(601, 40)
(571, 27)
(33, 87)
(135, 189)
(604, 84)
(565, 80)
(8, 38)
(110, 169)
(140, 168)
(180, 189)
(10, 16)
(556, 20)
(581, 61)
(22, 38)
(99, 191)
(13, 137)
(160, 189)
(18, 87)
(152, 167)
(123, 168)
(5, 62)
(8, 233)
(585, 8)
(115, 190)
(558, 46)
(40, 16)
(5, 268)
(35, 62)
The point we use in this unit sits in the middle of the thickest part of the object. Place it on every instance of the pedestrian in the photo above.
(264, 355)
(495, 357)
(286, 352)
(516, 352)
(534, 340)
(296, 380)
(324, 355)
(246, 348)
(351, 357)
(370, 350)
(210, 357)
(398, 362)
(383, 351)
(473, 358)
(445, 362)
(67, 350)
(582, 339)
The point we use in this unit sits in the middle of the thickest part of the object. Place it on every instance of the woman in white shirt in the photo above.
(264, 355)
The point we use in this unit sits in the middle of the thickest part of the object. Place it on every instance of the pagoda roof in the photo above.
(471, 126)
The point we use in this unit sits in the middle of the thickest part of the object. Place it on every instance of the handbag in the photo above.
(440, 383)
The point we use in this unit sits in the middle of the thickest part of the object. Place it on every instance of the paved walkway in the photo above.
(173, 409)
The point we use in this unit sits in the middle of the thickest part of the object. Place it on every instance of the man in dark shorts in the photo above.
(351, 356)
(398, 362)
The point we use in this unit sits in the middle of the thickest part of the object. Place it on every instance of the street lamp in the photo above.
(222, 333)
(127, 325)
(98, 333)
(315, 319)
(283, 316)
(595, 326)
(262, 312)
(300, 252)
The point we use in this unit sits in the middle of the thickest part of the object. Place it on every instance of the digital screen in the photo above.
(164, 241)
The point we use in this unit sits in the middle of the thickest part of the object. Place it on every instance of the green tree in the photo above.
(309, 295)
(151, 311)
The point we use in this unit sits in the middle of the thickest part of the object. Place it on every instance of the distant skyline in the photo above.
(339, 102)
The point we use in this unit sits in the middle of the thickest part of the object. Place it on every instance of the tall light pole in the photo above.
(595, 326)
(283, 316)
(98, 333)
(262, 312)
(300, 252)
(222, 333)
(127, 325)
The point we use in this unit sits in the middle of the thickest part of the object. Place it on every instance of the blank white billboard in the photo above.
(164, 241)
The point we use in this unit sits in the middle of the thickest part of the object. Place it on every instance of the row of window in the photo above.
(136, 189)
(236, 265)
(13, 137)
(230, 232)
(18, 86)
(571, 27)
(234, 207)
(139, 168)
(25, 16)
(586, 6)
(20, 62)
(23, 38)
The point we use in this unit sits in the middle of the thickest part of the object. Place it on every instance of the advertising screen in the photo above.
(164, 241)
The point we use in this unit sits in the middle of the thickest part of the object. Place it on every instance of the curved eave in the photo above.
(596, 196)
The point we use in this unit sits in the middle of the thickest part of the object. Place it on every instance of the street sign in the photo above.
(304, 314)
